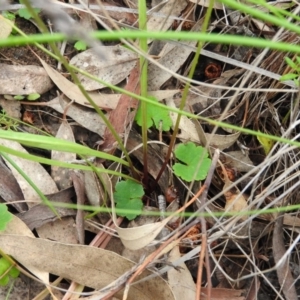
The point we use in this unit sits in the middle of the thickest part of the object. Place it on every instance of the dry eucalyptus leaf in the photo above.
(172, 58)
(5, 27)
(19, 228)
(41, 214)
(171, 8)
(85, 117)
(73, 92)
(33, 170)
(23, 80)
(61, 176)
(61, 230)
(89, 266)
(113, 68)
(9, 188)
(180, 279)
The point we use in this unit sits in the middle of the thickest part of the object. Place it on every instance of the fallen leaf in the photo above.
(23, 80)
(84, 116)
(172, 58)
(5, 27)
(9, 188)
(89, 266)
(180, 278)
(18, 228)
(33, 170)
(120, 117)
(113, 68)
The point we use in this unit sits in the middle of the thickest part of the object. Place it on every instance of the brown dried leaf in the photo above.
(119, 118)
(89, 266)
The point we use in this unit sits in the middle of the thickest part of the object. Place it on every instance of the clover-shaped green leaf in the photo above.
(128, 196)
(5, 216)
(191, 155)
(4, 266)
(155, 116)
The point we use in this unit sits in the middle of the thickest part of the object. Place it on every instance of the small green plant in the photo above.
(155, 115)
(295, 76)
(8, 15)
(8, 123)
(30, 97)
(128, 195)
(5, 216)
(24, 12)
(266, 143)
(80, 46)
(191, 155)
(7, 271)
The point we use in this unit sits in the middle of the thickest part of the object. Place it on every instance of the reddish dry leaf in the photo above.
(119, 118)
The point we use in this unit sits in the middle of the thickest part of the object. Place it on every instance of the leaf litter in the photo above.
(254, 175)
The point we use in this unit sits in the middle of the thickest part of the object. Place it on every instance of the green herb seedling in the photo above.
(30, 97)
(7, 270)
(8, 123)
(266, 143)
(190, 155)
(80, 46)
(155, 115)
(5, 216)
(128, 195)
(24, 13)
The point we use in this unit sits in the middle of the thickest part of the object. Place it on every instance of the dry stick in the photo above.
(284, 274)
(200, 266)
(204, 249)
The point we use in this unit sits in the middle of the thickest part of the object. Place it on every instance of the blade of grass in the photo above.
(144, 82)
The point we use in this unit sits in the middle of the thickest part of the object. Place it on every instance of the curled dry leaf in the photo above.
(23, 80)
(89, 266)
(114, 68)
